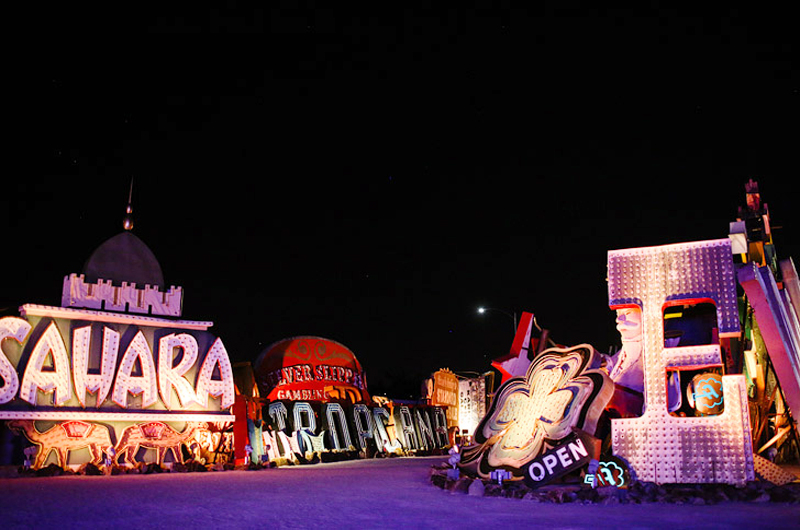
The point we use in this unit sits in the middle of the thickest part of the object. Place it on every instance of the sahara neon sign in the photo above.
(129, 374)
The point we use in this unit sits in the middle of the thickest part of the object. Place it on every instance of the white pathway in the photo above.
(393, 493)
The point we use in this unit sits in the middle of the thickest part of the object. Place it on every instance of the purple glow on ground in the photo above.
(392, 493)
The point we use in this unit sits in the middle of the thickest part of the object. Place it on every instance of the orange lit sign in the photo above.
(310, 369)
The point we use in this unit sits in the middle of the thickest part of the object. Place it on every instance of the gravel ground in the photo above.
(381, 493)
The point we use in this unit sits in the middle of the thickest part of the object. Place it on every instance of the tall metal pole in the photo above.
(512, 316)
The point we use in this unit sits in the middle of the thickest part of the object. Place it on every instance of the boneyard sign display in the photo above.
(114, 376)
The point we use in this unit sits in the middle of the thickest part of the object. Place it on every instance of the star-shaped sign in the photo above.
(515, 363)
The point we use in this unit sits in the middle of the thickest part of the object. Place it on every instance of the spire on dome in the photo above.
(122, 274)
(124, 257)
(127, 221)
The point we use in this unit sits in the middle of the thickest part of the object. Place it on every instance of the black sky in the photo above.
(374, 179)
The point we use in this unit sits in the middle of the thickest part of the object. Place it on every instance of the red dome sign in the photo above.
(310, 369)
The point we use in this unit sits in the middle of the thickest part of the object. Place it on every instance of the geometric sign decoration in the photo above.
(563, 390)
(660, 447)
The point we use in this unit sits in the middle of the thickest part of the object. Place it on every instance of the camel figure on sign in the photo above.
(65, 437)
(156, 435)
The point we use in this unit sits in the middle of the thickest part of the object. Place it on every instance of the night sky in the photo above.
(374, 179)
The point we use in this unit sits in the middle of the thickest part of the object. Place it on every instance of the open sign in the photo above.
(574, 452)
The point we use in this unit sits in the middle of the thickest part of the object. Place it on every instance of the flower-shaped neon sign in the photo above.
(563, 390)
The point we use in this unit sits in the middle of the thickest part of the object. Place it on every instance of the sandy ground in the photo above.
(393, 493)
